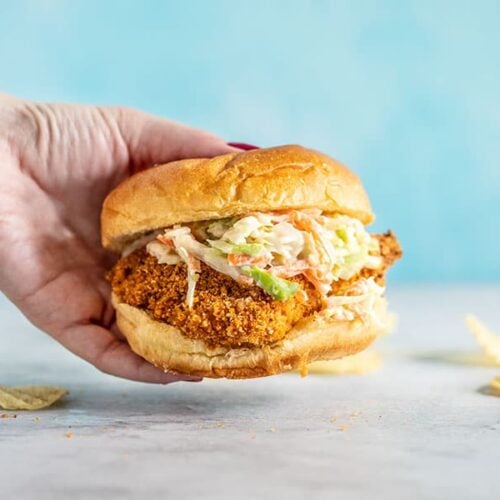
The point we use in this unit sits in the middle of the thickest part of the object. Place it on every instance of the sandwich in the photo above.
(247, 264)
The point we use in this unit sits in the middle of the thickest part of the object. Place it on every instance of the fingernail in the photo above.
(242, 145)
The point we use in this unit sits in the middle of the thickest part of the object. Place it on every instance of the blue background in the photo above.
(407, 93)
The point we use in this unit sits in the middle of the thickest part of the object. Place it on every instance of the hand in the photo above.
(57, 163)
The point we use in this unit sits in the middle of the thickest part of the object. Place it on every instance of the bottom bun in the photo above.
(312, 339)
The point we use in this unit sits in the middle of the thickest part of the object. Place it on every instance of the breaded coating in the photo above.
(224, 312)
(390, 250)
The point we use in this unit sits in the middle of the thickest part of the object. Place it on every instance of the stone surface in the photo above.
(419, 428)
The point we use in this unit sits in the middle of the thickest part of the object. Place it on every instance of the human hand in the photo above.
(57, 164)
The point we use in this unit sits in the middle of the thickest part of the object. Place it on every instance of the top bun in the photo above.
(283, 177)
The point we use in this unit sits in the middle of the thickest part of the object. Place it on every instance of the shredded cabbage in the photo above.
(163, 254)
(182, 238)
(282, 239)
(252, 249)
(192, 274)
(219, 227)
(359, 301)
(277, 288)
(266, 248)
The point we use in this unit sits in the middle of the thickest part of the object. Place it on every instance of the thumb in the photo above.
(150, 139)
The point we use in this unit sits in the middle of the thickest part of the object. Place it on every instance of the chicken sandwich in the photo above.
(246, 264)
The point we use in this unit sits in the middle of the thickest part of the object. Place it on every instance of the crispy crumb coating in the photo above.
(224, 312)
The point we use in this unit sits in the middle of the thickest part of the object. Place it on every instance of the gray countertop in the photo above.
(418, 428)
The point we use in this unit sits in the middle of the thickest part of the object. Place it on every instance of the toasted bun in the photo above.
(167, 348)
(285, 177)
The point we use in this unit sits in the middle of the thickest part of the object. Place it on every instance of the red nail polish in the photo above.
(242, 145)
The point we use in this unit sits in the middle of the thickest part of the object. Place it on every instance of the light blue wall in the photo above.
(405, 92)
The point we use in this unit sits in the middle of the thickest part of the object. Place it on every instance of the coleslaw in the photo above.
(267, 249)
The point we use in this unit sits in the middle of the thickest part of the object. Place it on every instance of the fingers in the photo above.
(151, 140)
(101, 348)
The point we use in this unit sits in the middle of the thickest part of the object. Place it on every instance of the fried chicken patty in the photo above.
(224, 312)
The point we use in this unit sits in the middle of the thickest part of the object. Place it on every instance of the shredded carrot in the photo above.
(245, 260)
(290, 269)
(166, 241)
(194, 264)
